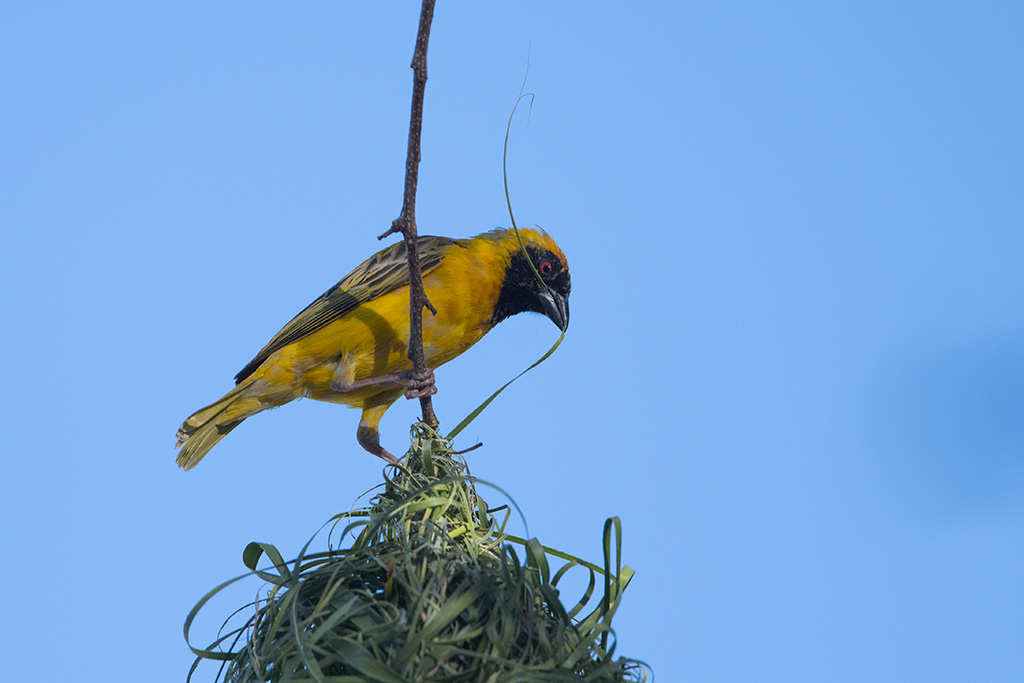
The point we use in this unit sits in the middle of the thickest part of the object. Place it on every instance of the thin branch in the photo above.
(406, 223)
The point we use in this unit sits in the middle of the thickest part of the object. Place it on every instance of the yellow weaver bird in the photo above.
(350, 346)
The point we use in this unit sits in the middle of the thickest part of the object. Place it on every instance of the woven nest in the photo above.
(430, 588)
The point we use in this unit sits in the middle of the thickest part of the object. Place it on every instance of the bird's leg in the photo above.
(417, 384)
(342, 385)
(368, 434)
(369, 439)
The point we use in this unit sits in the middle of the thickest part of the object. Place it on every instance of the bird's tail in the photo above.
(207, 426)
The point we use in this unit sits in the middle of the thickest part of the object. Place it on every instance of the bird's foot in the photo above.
(420, 384)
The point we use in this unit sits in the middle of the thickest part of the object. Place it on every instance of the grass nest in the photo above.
(427, 587)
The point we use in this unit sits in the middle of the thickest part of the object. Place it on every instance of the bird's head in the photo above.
(521, 291)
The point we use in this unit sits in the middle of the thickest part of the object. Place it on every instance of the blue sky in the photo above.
(795, 367)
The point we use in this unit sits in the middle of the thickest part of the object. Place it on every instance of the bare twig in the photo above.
(406, 221)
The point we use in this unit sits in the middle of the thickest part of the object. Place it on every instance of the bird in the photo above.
(350, 346)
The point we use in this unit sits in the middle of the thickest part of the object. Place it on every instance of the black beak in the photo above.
(556, 307)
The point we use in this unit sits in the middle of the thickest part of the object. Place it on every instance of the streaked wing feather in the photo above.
(382, 273)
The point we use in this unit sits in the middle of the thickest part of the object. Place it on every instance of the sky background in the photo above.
(795, 367)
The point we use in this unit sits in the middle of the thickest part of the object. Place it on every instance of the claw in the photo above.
(420, 384)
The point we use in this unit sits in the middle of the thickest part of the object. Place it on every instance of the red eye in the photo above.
(546, 268)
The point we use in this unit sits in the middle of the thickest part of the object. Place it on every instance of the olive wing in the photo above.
(382, 273)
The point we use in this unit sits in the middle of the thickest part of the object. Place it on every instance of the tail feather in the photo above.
(207, 426)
